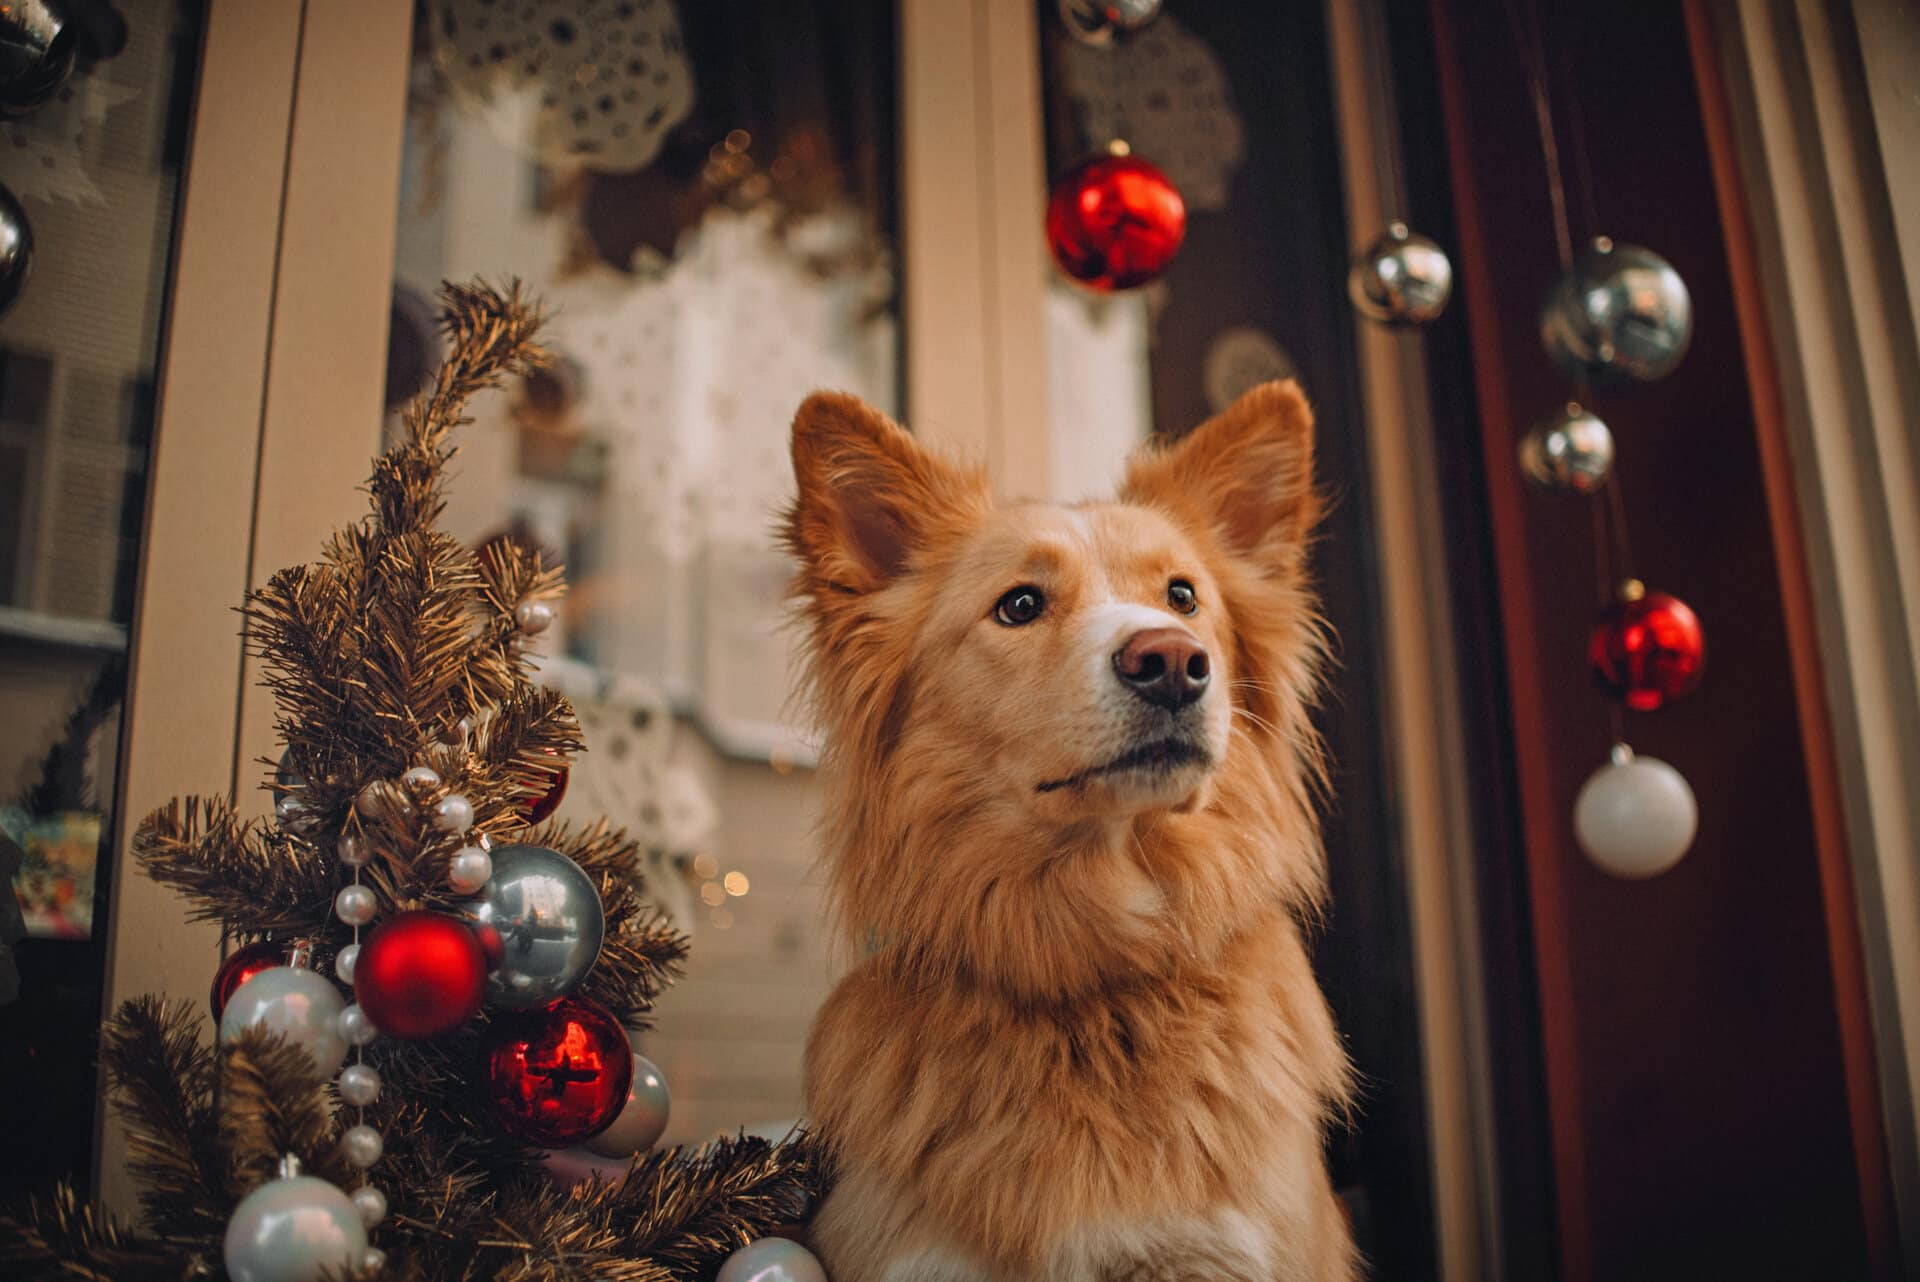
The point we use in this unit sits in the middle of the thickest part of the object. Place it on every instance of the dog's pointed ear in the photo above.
(869, 495)
(1246, 474)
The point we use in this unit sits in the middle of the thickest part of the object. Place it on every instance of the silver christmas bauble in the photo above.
(772, 1259)
(1635, 816)
(1619, 314)
(299, 1004)
(16, 249)
(293, 1230)
(550, 922)
(1401, 279)
(643, 1119)
(38, 42)
(1097, 22)
(1568, 452)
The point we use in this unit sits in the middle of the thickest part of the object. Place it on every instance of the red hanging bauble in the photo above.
(548, 790)
(1115, 222)
(241, 965)
(420, 975)
(1647, 649)
(560, 1074)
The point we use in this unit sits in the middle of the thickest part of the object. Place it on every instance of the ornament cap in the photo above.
(1620, 754)
(290, 1167)
(300, 954)
(1119, 147)
(1398, 230)
(1603, 244)
(1631, 590)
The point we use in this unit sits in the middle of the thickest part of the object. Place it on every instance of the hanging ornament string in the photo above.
(1386, 152)
(1531, 46)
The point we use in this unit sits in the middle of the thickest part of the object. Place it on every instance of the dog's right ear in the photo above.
(869, 496)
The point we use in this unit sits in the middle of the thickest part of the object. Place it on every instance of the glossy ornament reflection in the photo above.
(1619, 314)
(1401, 280)
(643, 1118)
(1647, 648)
(772, 1259)
(16, 249)
(38, 44)
(547, 913)
(293, 1229)
(1115, 222)
(240, 965)
(1098, 22)
(299, 1004)
(558, 1075)
(1570, 451)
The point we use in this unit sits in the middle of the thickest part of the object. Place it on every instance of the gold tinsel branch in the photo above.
(161, 1078)
(272, 1103)
(233, 871)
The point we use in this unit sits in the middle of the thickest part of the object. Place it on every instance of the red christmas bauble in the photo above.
(1115, 222)
(492, 946)
(241, 965)
(560, 1074)
(1647, 650)
(550, 788)
(420, 975)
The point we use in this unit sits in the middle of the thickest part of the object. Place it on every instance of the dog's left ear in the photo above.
(869, 495)
(1246, 474)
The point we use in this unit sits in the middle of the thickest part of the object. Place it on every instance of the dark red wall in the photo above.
(1699, 1037)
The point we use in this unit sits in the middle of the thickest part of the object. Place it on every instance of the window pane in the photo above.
(94, 172)
(703, 197)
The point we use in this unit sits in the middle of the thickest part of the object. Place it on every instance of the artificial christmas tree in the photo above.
(416, 746)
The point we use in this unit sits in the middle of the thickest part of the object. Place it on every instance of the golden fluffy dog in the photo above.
(1070, 821)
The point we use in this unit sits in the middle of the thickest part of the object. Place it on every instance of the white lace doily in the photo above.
(591, 82)
(1164, 91)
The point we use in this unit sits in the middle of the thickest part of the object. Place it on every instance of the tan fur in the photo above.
(1086, 1042)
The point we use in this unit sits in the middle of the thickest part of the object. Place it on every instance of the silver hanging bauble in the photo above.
(644, 1118)
(550, 922)
(294, 1229)
(16, 249)
(38, 41)
(1401, 279)
(1570, 451)
(1097, 22)
(1619, 314)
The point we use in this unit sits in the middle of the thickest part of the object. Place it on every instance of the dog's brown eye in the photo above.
(1180, 596)
(1022, 605)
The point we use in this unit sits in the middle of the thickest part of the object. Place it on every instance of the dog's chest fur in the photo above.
(1153, 1132)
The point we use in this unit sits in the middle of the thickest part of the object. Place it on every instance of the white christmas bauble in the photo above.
(293, 1230)
(643, 1119)
(301, 1005)
(1635, 816)
(772, 1259)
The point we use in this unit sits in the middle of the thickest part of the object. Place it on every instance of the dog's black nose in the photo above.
(1165, 666)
